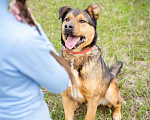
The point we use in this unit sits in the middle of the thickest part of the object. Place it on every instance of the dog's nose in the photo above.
(69, 26)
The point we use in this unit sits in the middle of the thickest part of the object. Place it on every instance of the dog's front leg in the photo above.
(68, 104)
(92, 107)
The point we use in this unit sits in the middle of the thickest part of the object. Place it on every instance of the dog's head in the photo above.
(79, 27)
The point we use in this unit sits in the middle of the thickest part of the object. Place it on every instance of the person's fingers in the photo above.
(16, 16)
(14, 9)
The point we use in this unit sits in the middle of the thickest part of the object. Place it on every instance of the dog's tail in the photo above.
(115, 68)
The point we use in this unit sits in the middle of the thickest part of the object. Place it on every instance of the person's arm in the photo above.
(36, 62)
(35, 59)
(43, 34)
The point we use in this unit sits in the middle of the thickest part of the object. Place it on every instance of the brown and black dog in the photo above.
(93, 83)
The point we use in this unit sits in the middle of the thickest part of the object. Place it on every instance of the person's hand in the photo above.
(14, 9)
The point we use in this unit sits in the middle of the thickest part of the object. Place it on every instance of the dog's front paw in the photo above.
(116, 115)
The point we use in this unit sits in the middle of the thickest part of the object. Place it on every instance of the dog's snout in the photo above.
(69, 26)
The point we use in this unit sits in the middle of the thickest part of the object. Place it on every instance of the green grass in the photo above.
(124, 35)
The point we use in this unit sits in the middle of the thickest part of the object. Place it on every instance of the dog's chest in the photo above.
(75, 90)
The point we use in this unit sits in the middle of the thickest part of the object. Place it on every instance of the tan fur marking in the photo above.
(94, 10)
(80, 17)
(70, 16)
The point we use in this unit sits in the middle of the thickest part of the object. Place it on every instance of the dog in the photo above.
(92, 82)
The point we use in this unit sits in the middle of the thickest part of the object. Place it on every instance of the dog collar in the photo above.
(84, 51)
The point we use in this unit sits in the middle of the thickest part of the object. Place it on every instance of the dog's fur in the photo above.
(93, 83)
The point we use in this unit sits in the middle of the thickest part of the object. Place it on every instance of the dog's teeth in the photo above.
(78, 38)
(83, 39)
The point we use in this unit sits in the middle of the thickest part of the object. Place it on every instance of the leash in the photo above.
(81, 52)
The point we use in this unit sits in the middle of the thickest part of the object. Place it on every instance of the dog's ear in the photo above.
(63, 11)
(93, 10)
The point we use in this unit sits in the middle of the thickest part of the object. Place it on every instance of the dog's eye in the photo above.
(82, 21)
(67, 19)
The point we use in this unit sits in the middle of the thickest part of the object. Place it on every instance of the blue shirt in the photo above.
(25, 65)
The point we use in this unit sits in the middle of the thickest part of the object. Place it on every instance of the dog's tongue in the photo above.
(71, 42)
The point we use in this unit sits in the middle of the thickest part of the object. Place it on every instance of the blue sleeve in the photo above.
(44, 35)
(37, 63)
(42, 32)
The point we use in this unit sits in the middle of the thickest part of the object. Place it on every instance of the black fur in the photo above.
(65, 15)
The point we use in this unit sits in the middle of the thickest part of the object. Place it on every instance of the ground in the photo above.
(123, 35)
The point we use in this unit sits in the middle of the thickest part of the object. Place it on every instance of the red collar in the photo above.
(84, 51)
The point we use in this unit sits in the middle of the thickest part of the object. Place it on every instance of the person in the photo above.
(25, 65)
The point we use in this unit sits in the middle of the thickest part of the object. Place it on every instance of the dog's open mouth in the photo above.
(73, 42)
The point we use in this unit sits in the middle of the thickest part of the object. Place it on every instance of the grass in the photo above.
(124, 35)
